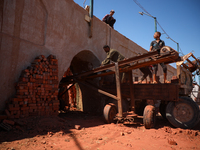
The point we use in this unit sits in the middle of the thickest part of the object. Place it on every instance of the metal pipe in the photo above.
(91, 18)
(177, 47)
(155, 22)
(91, 8)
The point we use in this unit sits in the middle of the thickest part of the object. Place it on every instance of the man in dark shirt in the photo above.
(109, 18)
(156, 45)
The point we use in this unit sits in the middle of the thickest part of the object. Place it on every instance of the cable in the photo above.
(84, 3)
(141, 6)
(181, 52)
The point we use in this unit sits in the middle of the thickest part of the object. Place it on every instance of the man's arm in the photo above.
(108, 58)
(151, 47)
(105, 18)
(106, 61)
(163, 43)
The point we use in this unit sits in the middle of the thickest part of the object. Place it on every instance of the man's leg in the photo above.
(145, 74)
(155, 69)
(111, 23)
(164, 72)
(150, 76)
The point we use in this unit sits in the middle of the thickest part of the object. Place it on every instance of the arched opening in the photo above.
(80, 97)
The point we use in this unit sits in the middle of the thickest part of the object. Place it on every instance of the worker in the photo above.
(156, 45)
(147, 71)
(109, 18)
(114, 56)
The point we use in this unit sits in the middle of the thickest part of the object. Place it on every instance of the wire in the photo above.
(141, 6)
(84, 3)
(181, 52)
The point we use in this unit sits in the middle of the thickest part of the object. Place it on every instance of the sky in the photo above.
(180, 19)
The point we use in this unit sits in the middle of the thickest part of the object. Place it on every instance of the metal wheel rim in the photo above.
(109, 113)
(183, 112)
(112, 113)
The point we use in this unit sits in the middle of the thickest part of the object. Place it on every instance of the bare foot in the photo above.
(166, 81)
(155, 82)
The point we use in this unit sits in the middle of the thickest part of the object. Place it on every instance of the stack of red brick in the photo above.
(36, 90)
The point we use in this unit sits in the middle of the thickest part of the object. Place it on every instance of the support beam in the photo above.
(118, 88)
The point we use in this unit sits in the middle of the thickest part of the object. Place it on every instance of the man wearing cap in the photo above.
(115, 56)
(109, 18)
(112, 55)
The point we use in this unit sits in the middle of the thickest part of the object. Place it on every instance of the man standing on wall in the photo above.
(109, 18)
(156, 45)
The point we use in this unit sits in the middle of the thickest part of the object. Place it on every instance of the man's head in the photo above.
(106, 48)
(157, 35)
(112, 12)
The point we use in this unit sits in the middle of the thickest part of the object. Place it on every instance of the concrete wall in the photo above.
(29, 28)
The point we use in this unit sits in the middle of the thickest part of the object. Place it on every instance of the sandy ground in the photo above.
(80, 131)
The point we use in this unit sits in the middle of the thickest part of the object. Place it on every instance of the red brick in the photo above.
(10, 122)
(32, 105)
(7, 113)
(14, 108)
(24, 108)
(17, 99)
(3, 117)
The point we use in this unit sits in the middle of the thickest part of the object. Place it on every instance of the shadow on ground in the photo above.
(44, 125)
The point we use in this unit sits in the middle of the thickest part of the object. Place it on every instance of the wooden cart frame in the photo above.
(164, 92)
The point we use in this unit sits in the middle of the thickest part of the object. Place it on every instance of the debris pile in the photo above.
(72, 90)
(36, 90)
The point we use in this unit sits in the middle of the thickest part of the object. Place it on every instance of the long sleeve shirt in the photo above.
(112, 55)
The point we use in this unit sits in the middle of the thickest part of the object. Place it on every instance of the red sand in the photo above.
(62, 133)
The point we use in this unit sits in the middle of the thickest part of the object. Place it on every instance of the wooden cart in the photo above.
(176, 106)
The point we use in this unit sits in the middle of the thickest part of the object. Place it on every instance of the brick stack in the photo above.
(36, 90)
(72, 90)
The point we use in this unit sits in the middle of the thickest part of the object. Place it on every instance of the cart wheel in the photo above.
(183, 113)
(109, 112)
(149, 117)
(162, 109)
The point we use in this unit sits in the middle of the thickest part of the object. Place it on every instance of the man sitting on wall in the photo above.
(109, 18)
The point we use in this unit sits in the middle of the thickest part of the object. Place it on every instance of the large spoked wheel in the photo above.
(109, 112)
(183, 114)
(149, 117)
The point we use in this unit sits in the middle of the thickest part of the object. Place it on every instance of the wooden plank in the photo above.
(184, 58)
(167, 92)
(171, 57)
(118, 88)
(190, 62)
(185, 66)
